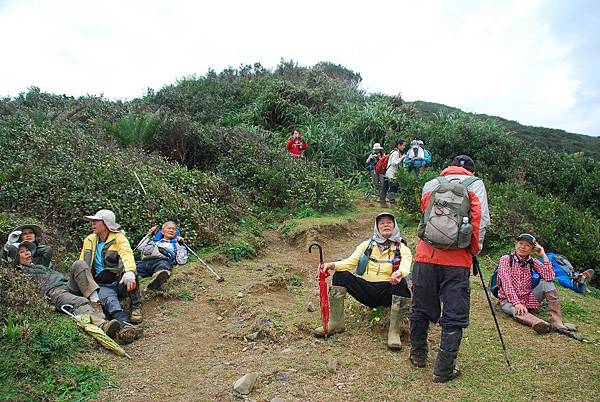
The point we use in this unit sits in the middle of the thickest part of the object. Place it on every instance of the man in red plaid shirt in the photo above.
(518, 297)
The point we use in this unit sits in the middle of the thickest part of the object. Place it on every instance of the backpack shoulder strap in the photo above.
(364, 258)
(469, 180)
(442, 179)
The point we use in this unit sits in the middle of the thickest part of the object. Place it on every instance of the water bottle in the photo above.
(464, 233)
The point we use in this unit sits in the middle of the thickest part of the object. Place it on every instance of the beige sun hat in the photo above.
(108, 217)
(377, 146)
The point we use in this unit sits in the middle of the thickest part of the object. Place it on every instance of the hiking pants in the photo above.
(449, 285)
(377, 181)
(389, 187)
(60, 295)
(372, 294)
(112, 294)
(149, 267)
(538, 292)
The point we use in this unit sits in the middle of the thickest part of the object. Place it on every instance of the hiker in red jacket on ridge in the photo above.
(296, 145)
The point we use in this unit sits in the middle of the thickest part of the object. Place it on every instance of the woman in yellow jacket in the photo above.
(375, 276)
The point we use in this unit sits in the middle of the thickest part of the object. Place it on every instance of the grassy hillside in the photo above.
(550, 139)
(208, 152)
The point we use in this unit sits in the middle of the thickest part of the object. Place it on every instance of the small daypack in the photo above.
(448, 205)
(382, 164)
(495, 285)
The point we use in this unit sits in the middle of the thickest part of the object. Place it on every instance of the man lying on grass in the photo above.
(519, 295)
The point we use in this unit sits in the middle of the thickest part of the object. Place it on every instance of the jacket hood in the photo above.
(456, 170)
(395, 237)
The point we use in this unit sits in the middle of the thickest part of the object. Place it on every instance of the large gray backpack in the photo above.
(449, 204)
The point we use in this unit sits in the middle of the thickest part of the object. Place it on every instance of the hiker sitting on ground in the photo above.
(376, 178)
(33, 234)
(159, 253)
(107, 264)
(516, 294)
(296, 145)
(567, 276)
(415, 157)
(60, 292)
(375, 276)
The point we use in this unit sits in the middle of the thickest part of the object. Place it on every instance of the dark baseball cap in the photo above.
(527, 237)
(465, 162)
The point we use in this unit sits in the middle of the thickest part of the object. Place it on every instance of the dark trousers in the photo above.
(389, 187)
(449, 285)
(149, 267)
(372, 294)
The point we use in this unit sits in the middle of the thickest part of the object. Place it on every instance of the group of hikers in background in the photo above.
(383, 167)
(104, 282)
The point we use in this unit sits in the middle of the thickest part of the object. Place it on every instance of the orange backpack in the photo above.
(381, 165)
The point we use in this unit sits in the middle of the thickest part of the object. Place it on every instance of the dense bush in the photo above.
(58, 174)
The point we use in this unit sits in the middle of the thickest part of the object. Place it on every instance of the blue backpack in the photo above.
(495, 285)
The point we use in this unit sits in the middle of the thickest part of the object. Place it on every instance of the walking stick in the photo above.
(477, 270)
(219, 278)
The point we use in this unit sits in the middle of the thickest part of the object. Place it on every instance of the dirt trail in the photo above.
(201, 336)
(196, 349)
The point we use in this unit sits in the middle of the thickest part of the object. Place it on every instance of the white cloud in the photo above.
(491, 57)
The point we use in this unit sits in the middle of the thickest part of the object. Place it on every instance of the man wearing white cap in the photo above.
(372, 160)
(106, 267)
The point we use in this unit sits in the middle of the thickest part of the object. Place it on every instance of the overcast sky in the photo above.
(536, 62)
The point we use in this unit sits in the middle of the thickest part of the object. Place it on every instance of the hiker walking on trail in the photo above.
(376, 178)
(455, 217)
(296, 145)
(160, 251)
(518, 295)
(375, 276)
(106, 268)
(390, 185)
(31, 233)
(59, 292)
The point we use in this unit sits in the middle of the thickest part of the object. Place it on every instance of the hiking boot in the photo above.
(398, 311)
(128, 333)
(454, 374)
(136, 315)
(553, 301)
(540, 326)
(586, 276)
(158, 279)
(111, 328)
(336, 325)
(445, 364)
(418, 343)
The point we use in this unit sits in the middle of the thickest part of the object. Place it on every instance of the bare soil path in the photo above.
(201, 336)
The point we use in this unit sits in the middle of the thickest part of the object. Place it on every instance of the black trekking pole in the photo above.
(477, 270)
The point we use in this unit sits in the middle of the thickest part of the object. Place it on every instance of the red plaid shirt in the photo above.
(515, 281)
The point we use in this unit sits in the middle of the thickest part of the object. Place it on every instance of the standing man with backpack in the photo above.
(376, 178)
(455, 218)
(390, 185)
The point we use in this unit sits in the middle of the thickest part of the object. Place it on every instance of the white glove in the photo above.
(14, 237)
(129, 280)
